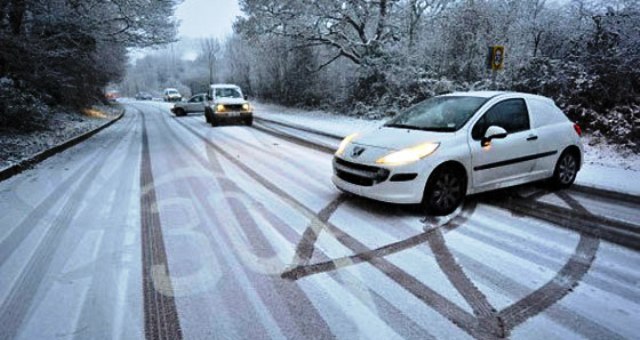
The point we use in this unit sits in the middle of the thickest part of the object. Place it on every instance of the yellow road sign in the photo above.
(497, 57)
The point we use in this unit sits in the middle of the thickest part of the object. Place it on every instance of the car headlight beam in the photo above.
(344, 143)
(409, 155)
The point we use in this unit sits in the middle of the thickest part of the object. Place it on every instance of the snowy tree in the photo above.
(209, 48)
(63, 52)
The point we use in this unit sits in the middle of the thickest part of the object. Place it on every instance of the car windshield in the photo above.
(447, 113)
(228, 93)
(172, 91)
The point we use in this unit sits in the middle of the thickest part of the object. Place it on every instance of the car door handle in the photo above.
(530, 138)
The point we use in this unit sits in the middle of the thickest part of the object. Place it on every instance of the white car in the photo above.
(196, 103)
(171, 95)
(227, 103)
(449, 146)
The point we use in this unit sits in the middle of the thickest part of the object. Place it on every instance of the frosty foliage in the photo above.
(14, 102)
(64, 53)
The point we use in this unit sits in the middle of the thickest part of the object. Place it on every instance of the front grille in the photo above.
(359, 174)
(233, 108)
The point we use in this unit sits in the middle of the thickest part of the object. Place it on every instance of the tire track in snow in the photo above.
(445, 307)
(160, 312)
(21, 231)
(538, 301)
(100, 303)
(18, 301)
(292, 299)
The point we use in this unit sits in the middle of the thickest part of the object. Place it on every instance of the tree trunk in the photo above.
(16, 15)
(536, 43)
(382, 20)
(3, 6)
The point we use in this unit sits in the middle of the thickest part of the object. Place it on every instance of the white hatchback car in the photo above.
(449, 146)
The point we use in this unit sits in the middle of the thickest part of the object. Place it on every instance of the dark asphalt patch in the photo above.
(160, 312)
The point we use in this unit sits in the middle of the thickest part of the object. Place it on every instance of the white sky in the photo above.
(206, 18)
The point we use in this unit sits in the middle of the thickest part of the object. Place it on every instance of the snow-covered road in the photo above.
(167, 228)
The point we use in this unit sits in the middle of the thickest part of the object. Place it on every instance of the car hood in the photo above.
(230, 101)
(396, 138)
(370, 146)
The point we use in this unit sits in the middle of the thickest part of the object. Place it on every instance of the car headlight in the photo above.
(409, 155)
(219, 108)
(246, 107)
(344, 143)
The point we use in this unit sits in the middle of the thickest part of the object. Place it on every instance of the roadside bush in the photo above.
(582, 96)
(20, 108)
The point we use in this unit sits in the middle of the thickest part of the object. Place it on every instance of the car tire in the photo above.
(248, 121)
(215, 122)
(207, 116)
(180, 112)
(445, 191)
(566, 170)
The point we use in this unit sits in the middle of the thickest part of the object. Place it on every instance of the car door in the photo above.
(504, 160)
(192, 103)
(199, 105)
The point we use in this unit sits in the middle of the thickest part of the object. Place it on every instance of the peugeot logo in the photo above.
(357, 151)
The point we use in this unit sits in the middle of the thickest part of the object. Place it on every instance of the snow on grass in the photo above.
(17, 145)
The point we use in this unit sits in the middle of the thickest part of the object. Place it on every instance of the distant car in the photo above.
(172, 95)
(446, 147)
(143, 96)
(227, 104)
(194, 104)
(112, 96)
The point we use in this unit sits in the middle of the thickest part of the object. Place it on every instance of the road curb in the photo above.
(299, 127)
(295, 139)
(25, 164)
(616, 195)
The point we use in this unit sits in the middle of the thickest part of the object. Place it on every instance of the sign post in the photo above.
(495, 62)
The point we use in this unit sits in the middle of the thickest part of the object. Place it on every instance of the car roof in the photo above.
(216, 86)
(491, 94)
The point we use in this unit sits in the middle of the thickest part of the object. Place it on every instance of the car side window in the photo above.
(511, 115)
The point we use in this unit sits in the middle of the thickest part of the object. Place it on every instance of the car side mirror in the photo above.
(493, 132)
(246, 97)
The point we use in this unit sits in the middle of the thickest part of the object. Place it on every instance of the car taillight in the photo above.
(578, 129)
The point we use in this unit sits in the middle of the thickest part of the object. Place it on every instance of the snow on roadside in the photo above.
(317, 120)
(608, 167)
(16, 146)
(605, 165)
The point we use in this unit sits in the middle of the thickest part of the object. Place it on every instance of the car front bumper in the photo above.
(399, 184)
(242, 115)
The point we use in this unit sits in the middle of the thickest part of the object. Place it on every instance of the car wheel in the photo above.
(207, 116)
(248, 121)
(445, 190)
(180, 112)
(215, 122)
(566, 170)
